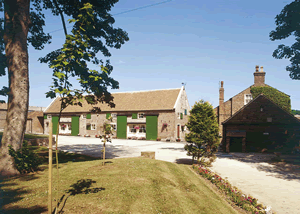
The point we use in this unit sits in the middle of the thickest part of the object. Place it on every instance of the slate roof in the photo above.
(164, 99)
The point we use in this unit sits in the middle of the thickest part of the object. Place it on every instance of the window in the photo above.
(49, 116)
(185, 111)
(93, 126)
(141, 115)
(84, 116)
(269, 119)
(63, 127)
(108, 115)
(247, 98)
(181, 116)
(182, 128)
(178, 115)
(88, 126)
(132, 128)
(45, 116)
(113, 127)
(114, 115)
(142, 129)
(70, 127)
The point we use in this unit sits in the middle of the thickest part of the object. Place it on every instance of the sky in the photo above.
(199, 43)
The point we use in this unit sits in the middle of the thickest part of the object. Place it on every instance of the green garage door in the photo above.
(151, 127)
(121, 127)
(54, 124)
(75, 126)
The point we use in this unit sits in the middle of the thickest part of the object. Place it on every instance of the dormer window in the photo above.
(247, 98)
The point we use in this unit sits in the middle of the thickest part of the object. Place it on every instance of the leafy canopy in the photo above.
(92, 32)
(203, 138)
(273, 94)
(287, 23)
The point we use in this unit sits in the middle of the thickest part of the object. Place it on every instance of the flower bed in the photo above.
(246, 202)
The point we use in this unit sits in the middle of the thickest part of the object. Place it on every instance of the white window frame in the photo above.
(84, 116)
(131, 127)
(112, 125)
(144, 128)
(247, 99)
(93, 126)
(178, 115)
(49, 116)
(141, 114)
(113, 115)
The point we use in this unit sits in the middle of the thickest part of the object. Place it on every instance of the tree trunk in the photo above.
(16, 27)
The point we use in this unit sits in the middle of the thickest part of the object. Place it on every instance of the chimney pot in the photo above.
(222, 84)
(256, 68)
(261, 69)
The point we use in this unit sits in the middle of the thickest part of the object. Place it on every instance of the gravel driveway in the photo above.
(278, 187)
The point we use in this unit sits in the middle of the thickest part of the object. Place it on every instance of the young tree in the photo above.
(203, 138)
(287, 23)
(22, 18)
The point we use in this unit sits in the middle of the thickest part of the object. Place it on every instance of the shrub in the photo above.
(203, 138)
(25, 160)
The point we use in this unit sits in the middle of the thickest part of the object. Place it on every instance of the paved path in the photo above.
(271, 185)
(166, 151)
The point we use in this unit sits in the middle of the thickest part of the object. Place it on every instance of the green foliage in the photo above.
(295, 112)
(25, 160)
(287, 23)
(79, 49)
(203, 139)
(273, 94)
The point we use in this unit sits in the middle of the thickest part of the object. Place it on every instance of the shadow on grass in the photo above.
(8, 196)
(288, 170)
(80, 187)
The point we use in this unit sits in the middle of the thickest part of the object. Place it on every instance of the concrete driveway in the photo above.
(273, 185)
(166, 151)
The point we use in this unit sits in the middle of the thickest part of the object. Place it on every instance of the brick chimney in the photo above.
(259, 76)
(221, 106)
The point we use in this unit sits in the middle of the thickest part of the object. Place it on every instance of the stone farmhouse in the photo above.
(35, 118)
(138, 115)
(251, 125)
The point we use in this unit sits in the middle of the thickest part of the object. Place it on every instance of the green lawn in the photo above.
(29, 136)
(126, 185)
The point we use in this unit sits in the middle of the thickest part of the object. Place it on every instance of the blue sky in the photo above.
(196, 42)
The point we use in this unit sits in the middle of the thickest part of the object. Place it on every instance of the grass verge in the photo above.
(126, 185)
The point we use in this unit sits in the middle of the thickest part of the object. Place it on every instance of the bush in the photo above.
(25, 160)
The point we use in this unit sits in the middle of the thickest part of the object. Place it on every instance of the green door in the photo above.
(75, 126)
(121, 127)
(151, 127)
(54, 124)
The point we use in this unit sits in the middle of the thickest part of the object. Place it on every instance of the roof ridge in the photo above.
(146, 90)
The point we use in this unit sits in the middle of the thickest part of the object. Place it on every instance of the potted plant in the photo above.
(158, 139)
(178, 140)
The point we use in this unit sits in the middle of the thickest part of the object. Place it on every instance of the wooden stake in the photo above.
(50, 170)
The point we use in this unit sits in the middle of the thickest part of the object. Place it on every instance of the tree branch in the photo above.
(61, 16)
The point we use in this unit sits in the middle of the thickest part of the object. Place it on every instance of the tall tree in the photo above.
(22, 18)
(203, 138)
(288, 22)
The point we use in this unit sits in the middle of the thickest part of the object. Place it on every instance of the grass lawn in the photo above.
(126, 185)
(29, 136)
